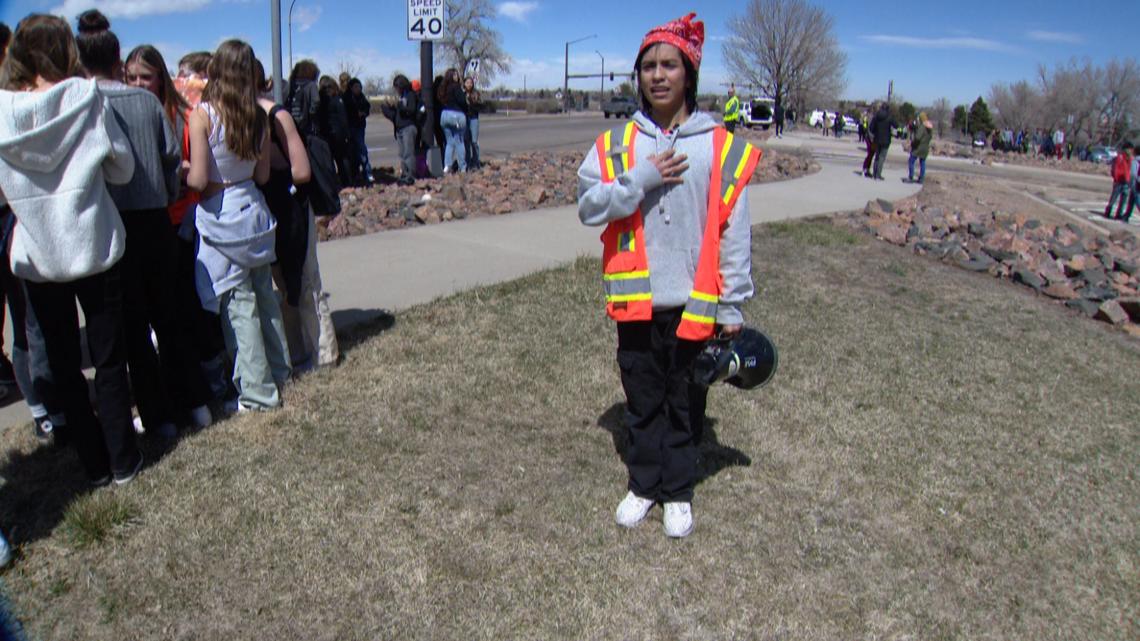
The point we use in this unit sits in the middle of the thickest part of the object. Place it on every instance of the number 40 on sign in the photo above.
(425, 19)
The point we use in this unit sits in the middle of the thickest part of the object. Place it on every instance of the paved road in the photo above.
(501, 135)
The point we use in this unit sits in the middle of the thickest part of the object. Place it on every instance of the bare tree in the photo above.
(1018, 105)
(1071, 90)
(373, 86)
(939, 112)
(788, 49)
(349, 67)
(470, 37)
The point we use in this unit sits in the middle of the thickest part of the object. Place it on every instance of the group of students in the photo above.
(458, 104)
(167, 207)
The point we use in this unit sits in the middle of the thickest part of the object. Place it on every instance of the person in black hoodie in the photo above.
(403, 116)
(322, 192)
(332, 123)
(881, 127)
(358, 108)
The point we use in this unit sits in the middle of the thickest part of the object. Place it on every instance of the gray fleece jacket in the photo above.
(58, 150)
(674, 215)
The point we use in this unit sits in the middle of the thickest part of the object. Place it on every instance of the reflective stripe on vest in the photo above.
(736, 160)
(629, 296)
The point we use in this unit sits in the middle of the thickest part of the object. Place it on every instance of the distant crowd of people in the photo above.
(1041, 143)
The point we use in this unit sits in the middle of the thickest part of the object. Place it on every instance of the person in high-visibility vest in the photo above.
(670, 186)
(731, 111)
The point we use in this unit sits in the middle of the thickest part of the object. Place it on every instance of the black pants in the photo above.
(170, 378)
(106, 444)
(730, 126)
(665, 412)
(880, 158)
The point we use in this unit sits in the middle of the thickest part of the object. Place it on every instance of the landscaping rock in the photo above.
(1060, 291)
(1111, 312)
(893, 233)
(1086, 307)
(1097, 294)
(1028, 278)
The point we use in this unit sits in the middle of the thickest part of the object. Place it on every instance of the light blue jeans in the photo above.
(454, 125)
(255, 339)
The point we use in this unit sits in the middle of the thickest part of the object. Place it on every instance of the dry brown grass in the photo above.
(941, 456)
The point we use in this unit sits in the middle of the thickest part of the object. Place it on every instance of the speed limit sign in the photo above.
(425, 19)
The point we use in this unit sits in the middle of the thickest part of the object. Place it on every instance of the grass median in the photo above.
(940, 456)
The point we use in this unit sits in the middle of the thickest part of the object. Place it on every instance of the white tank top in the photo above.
(226, 166)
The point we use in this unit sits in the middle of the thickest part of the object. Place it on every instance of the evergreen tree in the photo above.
(959, 119)
(980, 118)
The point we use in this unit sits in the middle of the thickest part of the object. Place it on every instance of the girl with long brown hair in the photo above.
(229, 133)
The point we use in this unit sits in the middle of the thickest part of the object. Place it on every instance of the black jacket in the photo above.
(333, 119)
(882, 127)
(304, 99)
(358, 108)
(456, 99)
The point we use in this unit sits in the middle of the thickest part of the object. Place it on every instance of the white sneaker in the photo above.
(138, 425)
(5, 551)
(678, 520)
(632, 510)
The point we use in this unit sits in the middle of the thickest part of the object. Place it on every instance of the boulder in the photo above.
(1060, 291)
(1028, 278)
(1096, 293)
(536, 195)
(1086, 307)
(893, 233)
(1110, 311)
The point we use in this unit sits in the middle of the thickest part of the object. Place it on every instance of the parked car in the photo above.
(619, 106)
(980, 139)
(1102, 154)
(851, 123)
(817, 116)
(758, 112)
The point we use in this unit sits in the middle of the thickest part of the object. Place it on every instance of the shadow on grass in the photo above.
(38, 486)
(714, 456)
(355, 326)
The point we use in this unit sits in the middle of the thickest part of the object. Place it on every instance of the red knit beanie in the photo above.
(683, 33)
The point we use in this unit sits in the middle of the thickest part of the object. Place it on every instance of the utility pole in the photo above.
(275, 19)
(602, 91)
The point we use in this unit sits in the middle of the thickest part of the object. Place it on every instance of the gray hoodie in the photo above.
(58, 149)
(674, 215)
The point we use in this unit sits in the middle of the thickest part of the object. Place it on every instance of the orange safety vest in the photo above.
(625, 265)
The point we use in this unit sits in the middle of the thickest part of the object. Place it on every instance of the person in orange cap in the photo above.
(670, 187)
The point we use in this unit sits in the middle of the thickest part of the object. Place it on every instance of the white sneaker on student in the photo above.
(5, 551)
(632, 510)
(678, 520)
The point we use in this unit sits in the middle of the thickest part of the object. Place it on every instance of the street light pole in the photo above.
(275, 19)
(566, 70)
(602, 95)
(291, 35)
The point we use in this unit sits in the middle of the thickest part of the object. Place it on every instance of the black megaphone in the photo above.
(747, 360)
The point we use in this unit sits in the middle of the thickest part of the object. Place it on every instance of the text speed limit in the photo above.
(425, 19)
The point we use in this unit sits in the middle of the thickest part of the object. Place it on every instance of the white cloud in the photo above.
(305, 17)
(1056, 37)
(519, 11)
(979, 44)
(128, 8)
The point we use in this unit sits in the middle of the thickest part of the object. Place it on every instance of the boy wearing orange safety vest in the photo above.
(670, 186)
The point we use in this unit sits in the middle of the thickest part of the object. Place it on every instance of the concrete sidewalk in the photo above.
(397, 269)
(394, 270)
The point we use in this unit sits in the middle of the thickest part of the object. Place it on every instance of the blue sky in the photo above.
(929, 49)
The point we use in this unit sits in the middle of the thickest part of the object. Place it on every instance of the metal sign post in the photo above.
(426, 23)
